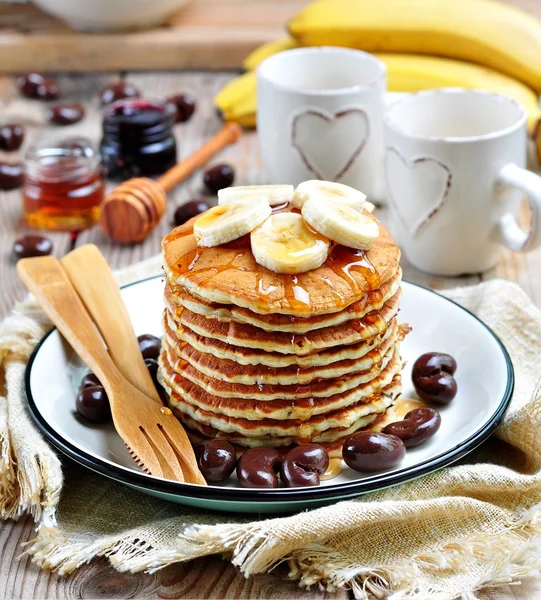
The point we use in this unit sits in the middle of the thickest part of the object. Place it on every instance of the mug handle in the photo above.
(510, 233)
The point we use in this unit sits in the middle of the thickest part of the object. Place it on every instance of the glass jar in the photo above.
(138, 139)
(63, 185)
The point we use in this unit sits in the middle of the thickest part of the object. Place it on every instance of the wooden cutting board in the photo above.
(206, 34)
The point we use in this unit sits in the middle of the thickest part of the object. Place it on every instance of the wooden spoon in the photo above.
(152, 433)
(132, 210)
(93, 280)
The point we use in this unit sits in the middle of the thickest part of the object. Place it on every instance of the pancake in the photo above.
(279, 409)
(267, 432)
(234, 372)
(229, 274)
(249, 356)
(248, 336)
(176, 296)
(320, 388)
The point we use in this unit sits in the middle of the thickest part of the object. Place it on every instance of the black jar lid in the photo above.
(138, 121)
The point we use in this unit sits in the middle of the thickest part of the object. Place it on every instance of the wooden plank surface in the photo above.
(207, 34)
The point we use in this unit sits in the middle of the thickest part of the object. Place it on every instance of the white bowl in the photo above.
(111, 15)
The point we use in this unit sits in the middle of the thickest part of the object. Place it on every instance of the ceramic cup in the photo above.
(454, 165)
(320, 116)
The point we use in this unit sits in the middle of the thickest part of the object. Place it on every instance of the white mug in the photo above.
(454, 165)
(320, 116)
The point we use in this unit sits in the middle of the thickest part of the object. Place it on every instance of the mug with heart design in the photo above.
(454, 166)
(320, 116)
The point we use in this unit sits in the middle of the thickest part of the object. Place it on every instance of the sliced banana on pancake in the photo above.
(275, 194)
(284, 244)
(338, 191)
(227, 222)
(340, 222)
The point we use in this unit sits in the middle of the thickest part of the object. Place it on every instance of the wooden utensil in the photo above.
(131, 211)
(93, 280)
(153, 434)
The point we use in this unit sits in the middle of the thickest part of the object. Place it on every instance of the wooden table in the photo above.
(204, 578)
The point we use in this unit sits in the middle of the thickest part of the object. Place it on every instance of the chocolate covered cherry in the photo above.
(36, 85)
(149, 345)
(119, 91)
(32, 245)
(66, 114)
(216, 459)
(304, 465)
(11, 137)
(185, 106)
(11, 176)
(372, 451)
(219, 177)
(417, 426)
(433, 379)
(258, 467)
(191, 209)
(92, 404)
(89, 380)
(152, 366)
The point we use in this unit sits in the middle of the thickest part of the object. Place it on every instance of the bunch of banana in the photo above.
(405, 73)
(485, 32)
(287, 242)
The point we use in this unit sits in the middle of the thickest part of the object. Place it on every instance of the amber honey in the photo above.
(63, 187)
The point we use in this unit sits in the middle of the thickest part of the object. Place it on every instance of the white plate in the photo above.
(484, 377)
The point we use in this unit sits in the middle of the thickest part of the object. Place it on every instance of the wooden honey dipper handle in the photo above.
(132, 210)
(228, 134)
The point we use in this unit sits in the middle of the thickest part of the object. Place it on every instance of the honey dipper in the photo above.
(132, 210)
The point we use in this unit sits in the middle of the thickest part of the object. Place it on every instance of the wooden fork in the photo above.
(152, 433)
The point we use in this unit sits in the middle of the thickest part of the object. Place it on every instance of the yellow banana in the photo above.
(413, 73)
(406, 73)
(486, 32)
(260, 54)
(236, 101)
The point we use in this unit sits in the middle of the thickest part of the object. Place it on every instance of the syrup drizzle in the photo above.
(346, 263)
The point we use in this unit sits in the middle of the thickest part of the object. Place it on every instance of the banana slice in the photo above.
(284, 244)
(340, 222)
(275, 194)
(338, 191)
(225, 223)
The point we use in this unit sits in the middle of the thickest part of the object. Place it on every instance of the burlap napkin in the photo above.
(466, 527)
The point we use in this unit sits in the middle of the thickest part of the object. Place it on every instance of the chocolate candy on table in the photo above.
(433, 379)
(89, 380)
(119, 91)
(216, 459)
(369, 451)
(65, 114)
(11, 137)
(418, 425)
(11, 176)
(92, 404)
(304, 465)
(152, 366)
(32, 245)
(218, 177)
(149, 345)
(257, 468)
(185, 105)
(191, 209)
(37, 85)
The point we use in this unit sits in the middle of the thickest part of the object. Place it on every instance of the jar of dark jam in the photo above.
(63, 185)
(138, 138)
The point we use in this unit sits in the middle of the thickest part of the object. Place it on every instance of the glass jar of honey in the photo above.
(138, 139)
(63, 186)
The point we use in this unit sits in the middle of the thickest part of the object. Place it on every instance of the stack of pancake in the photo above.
(267, 359)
